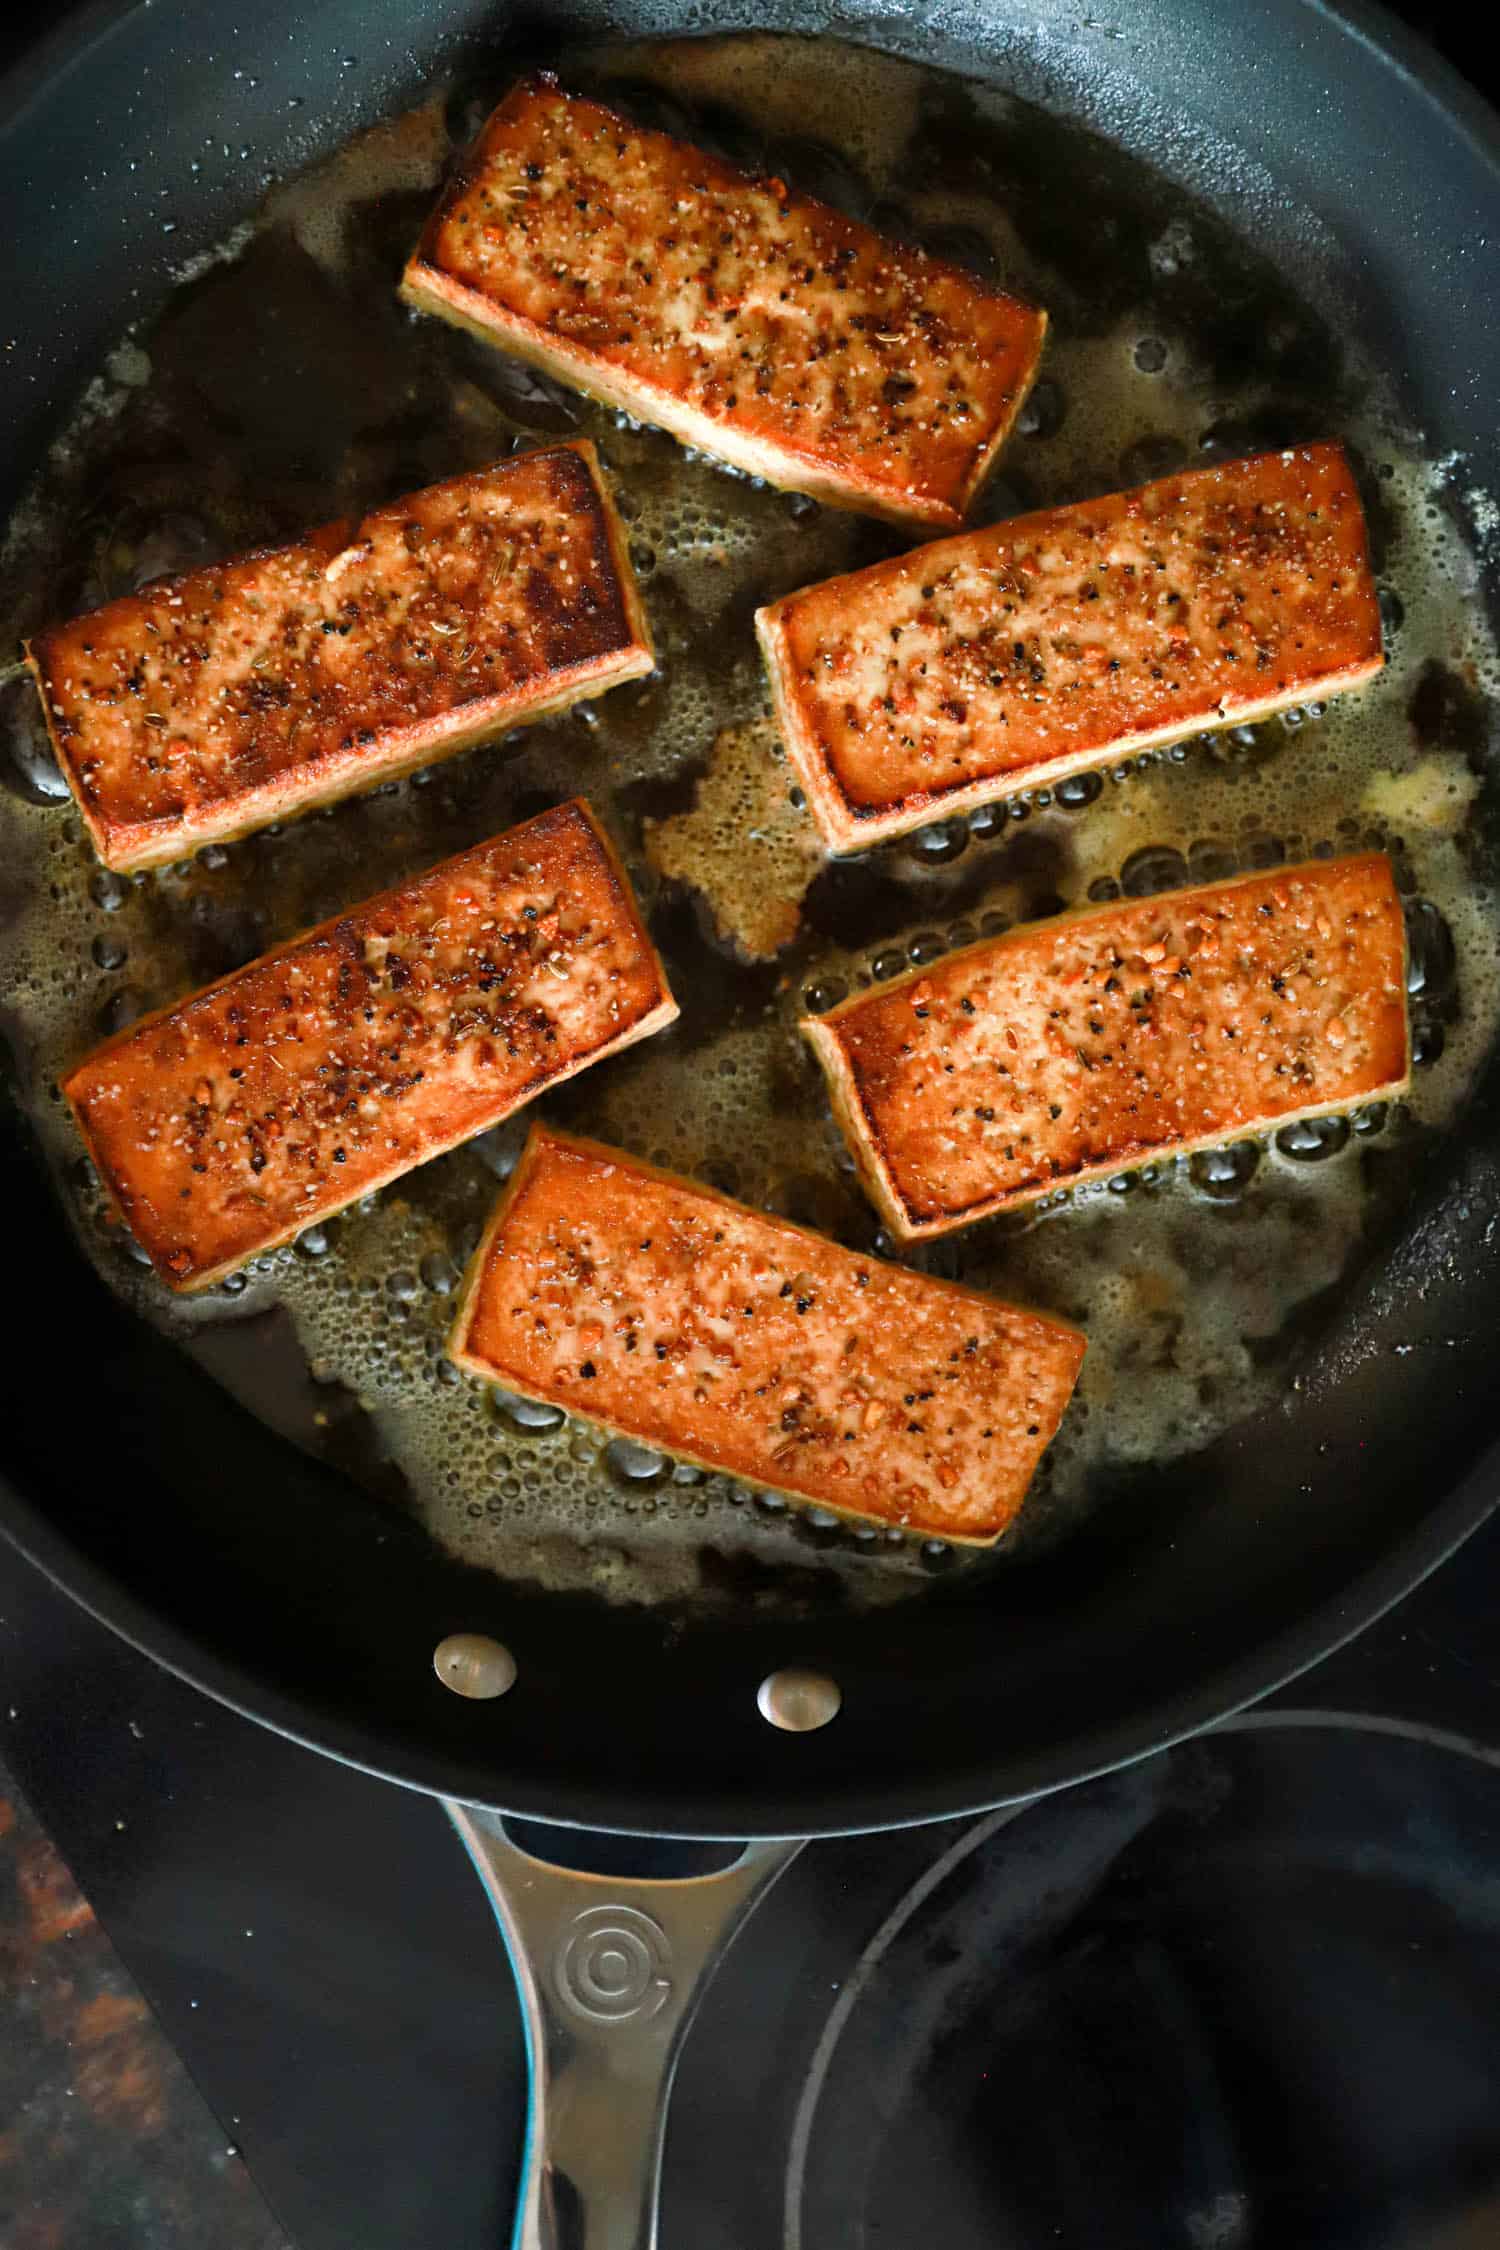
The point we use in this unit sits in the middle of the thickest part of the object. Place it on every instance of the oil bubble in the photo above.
(1224, 1173)
(632, 1464)
(1157, 867)
(1265, 851)
(438, 1272)
(1432, 964)
(941, 841)
(31, 766)
(1077, 790)
(124, 1007)
(499, 1150)
(822, 1526)
(1210, 862)
(1310, 1139)
(525, 1417)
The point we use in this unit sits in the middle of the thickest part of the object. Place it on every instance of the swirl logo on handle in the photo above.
(612, 1963)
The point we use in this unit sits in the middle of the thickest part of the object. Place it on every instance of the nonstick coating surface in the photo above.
(179, 1518)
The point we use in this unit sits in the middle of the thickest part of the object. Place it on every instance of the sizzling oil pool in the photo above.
(217, 426)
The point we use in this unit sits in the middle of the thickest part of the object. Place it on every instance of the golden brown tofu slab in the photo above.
(1148, 1028)
(226, 1124)
(1037, 648)
(204, 706)
(675, 1317)
(747, 320)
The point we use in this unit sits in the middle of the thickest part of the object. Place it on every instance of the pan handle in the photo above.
(610, 1971)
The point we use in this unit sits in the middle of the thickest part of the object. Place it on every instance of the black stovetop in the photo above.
(1246, 1993)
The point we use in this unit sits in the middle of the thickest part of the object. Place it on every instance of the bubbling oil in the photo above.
(213, 427)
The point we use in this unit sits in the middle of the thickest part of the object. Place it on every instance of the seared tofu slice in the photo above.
(204, 706)
(1148, 1028)
(226, 1124)
(669, 1314)
(1037, 648)
(749, 321)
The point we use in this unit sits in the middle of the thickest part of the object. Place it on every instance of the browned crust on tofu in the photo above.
(1010, 657)
(206, 705)
(1071, 1049)
(227, 1123)
(669, 1314)
(747, 320)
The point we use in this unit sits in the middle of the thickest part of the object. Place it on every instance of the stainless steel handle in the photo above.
(610, 1971)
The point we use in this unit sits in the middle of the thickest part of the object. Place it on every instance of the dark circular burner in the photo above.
(1245, 1996)
(1248, 1993)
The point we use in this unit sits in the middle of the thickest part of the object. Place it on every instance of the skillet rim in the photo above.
(594, 1804)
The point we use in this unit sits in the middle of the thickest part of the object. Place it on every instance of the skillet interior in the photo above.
(169, 1508)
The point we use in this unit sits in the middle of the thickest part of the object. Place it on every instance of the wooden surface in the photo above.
(105, 2142)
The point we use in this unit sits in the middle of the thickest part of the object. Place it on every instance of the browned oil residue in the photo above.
(747, 847)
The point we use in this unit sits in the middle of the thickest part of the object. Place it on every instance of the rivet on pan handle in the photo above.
(610, 1971)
